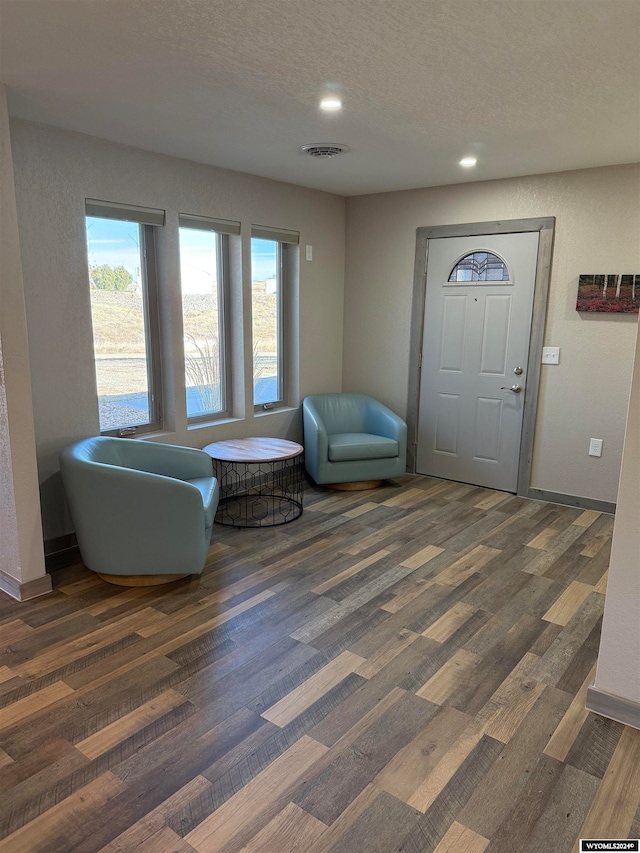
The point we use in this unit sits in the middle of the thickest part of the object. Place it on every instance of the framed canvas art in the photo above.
(611, 294)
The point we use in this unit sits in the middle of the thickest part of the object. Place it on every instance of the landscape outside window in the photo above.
(120, 333)
(116, 272)
(202, 319)
(266, 287)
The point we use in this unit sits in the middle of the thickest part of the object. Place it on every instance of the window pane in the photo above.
(266, 292)
(202, 317)
(119, 322)
(480, 266)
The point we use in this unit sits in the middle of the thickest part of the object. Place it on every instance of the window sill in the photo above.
(158, 434)
(213, 423)
(275, 411)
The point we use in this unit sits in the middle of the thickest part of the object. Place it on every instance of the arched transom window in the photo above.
(480, 266)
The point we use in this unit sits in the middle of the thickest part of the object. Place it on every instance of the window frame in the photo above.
(282, 249)
(150, 291)
(224, 325)
(150, 304)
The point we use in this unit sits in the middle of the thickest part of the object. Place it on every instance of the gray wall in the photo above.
(21, 555)
(54, 172)
(597, 231)
(618, 670)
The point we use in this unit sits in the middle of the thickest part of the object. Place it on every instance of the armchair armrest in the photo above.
(169, 460)
(316, 442)
(114, 507)
(133, 500)
(379, 420)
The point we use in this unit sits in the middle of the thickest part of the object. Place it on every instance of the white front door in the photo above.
(477, 325)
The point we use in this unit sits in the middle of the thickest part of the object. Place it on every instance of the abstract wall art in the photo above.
(611, 294)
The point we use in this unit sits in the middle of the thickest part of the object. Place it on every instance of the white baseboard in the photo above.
(27, 590)
(615, 707)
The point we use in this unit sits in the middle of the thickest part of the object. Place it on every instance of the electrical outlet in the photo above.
(595, 447)
(550, 355)
(309, 253)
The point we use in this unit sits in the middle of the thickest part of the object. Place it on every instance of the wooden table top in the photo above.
(253, 449)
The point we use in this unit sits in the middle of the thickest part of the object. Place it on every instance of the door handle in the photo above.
(515, 388)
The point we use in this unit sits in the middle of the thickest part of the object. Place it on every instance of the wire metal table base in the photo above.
(259, 494)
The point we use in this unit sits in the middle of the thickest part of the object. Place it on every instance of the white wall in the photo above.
(619, 657)
(54, 172)
(21, 553)
(597, 231)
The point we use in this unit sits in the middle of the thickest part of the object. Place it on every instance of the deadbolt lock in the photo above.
(517, 371)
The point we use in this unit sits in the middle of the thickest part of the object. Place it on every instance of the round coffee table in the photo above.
(260, 481)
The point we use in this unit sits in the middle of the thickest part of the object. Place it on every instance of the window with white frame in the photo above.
(124, 312)
(270, 273)
(204, 278)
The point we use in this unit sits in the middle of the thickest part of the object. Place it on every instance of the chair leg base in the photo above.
(355, 487)
(140, 580)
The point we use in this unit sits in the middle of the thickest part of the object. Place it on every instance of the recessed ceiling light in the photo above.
(468, 162)
(331, 104)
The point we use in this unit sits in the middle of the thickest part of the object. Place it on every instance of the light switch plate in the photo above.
(309, 253)
(550, 355)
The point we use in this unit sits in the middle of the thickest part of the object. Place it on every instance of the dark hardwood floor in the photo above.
(399, 670)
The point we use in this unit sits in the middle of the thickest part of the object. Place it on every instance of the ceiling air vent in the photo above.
(324, 149)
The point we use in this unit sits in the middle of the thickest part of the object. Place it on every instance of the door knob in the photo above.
(515, 388)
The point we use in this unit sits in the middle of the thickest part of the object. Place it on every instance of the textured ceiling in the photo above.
(528, 86)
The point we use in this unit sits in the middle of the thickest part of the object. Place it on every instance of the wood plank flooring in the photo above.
(398, 671)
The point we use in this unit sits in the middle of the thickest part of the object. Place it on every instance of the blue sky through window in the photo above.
(198, 261)
(263, 259)
(114, 242)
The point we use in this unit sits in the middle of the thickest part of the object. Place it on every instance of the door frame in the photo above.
(546, 228)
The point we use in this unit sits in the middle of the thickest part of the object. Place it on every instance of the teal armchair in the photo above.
(140, 509)
(352, 439)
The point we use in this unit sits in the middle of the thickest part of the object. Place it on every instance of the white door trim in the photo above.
(546, 227)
